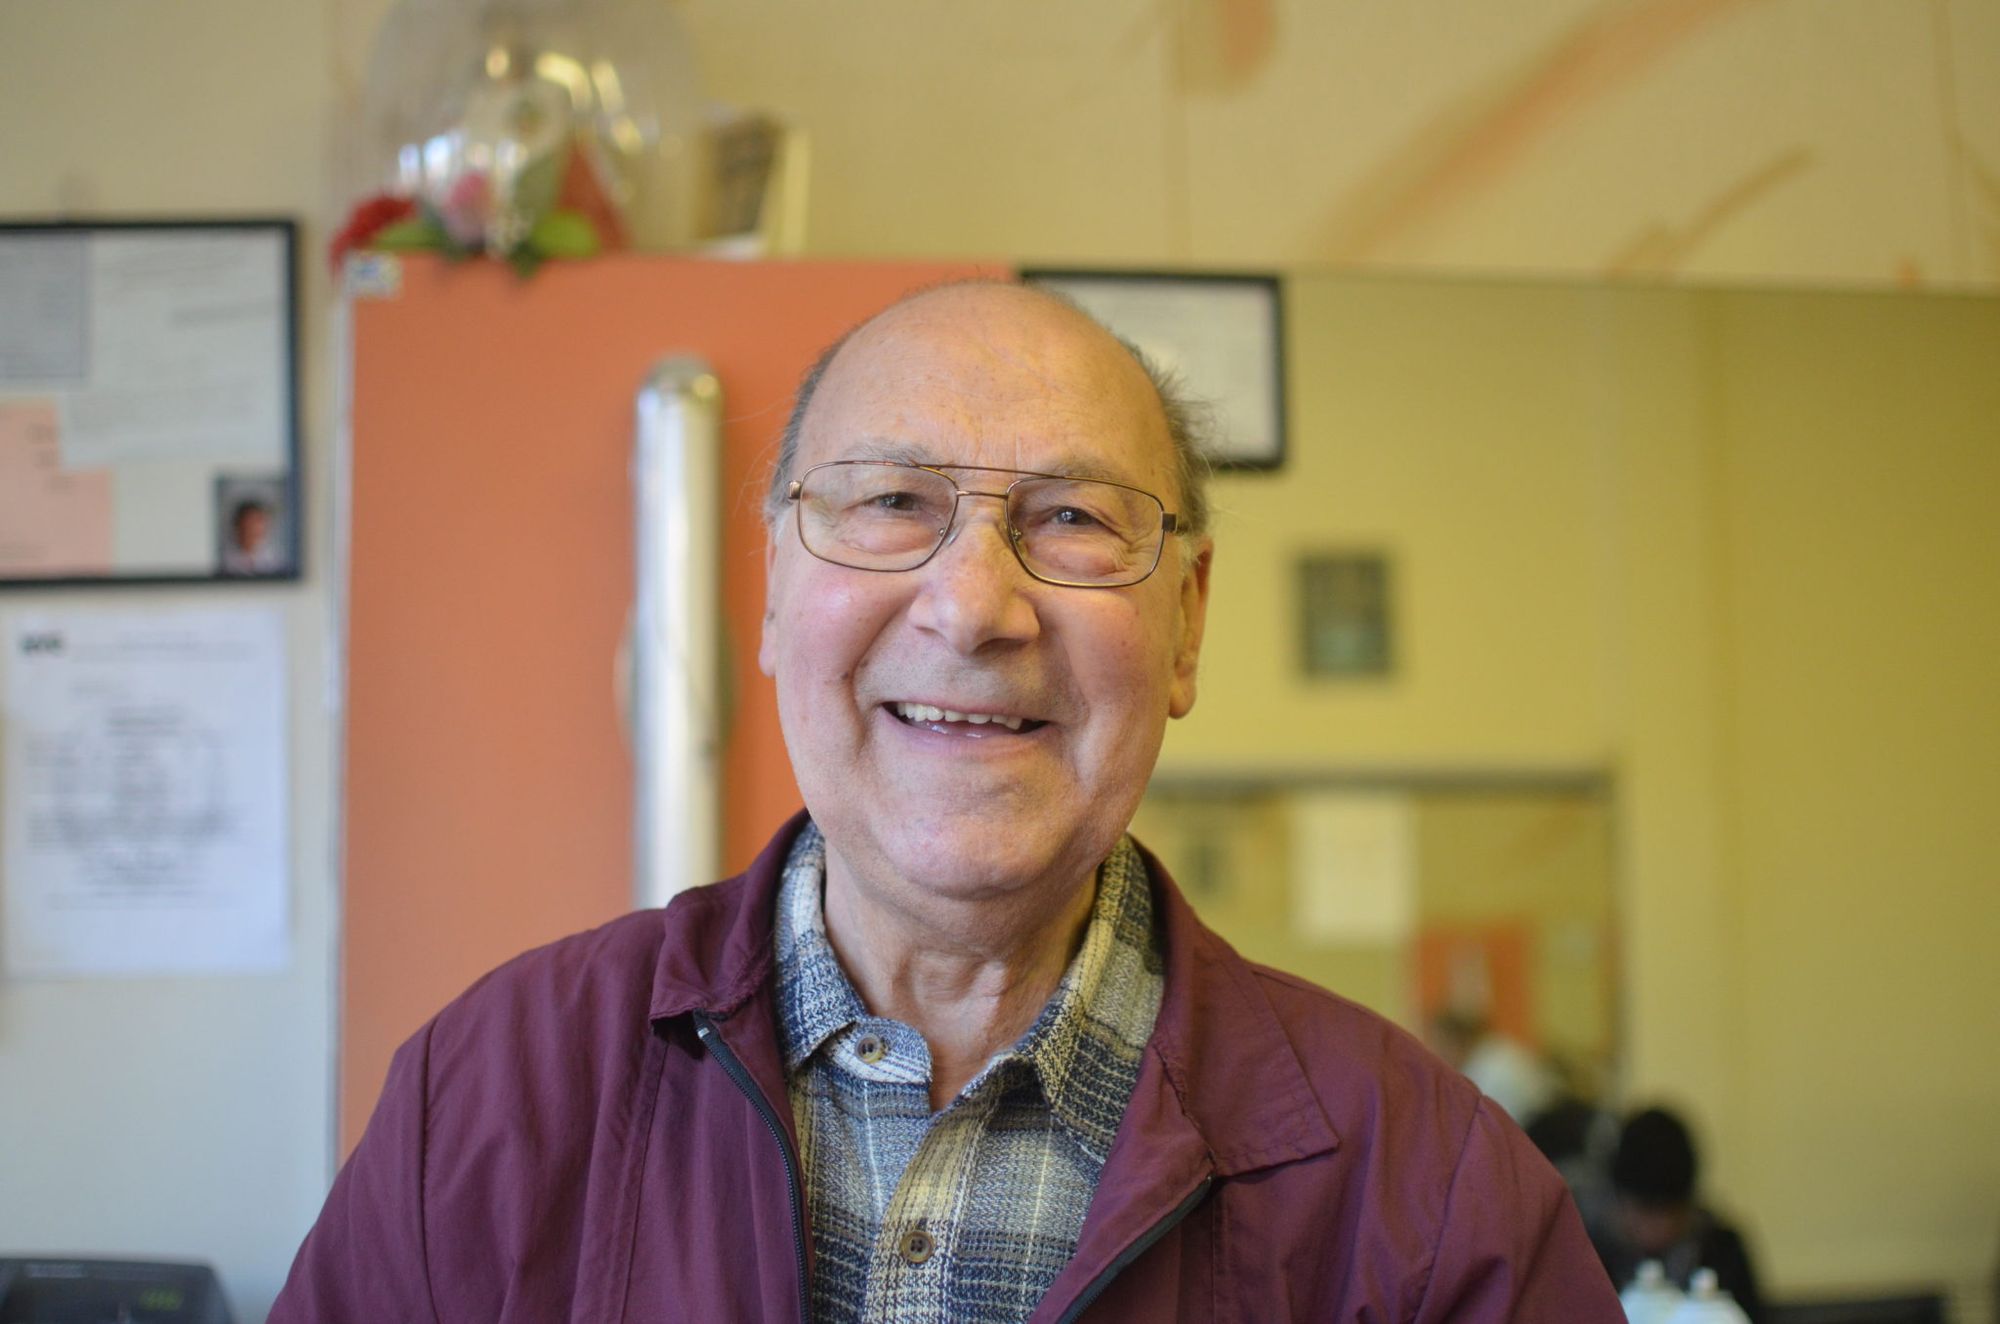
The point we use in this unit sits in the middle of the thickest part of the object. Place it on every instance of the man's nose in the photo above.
(974, 592)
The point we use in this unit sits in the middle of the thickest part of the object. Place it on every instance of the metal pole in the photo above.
(676, 656)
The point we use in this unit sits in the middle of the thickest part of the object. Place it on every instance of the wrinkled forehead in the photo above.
(992, 375)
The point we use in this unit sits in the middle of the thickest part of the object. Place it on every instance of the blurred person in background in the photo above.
(1658, 1215)
(1506, 1071)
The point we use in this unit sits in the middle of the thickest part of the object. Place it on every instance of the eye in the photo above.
(1073, 517)
(892, 502)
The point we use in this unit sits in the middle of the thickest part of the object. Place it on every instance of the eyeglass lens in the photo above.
(893, 517)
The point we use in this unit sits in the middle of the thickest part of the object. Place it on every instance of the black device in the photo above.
(48, 1290)
(1926, 1308)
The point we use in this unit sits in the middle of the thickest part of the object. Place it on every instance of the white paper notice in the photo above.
(1354, 865)
(145, 794)
(187, 353)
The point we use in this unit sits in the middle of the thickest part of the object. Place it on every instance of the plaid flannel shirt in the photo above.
(970, 1213)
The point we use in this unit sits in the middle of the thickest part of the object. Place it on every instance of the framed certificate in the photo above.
(1222, 335)
(148, 402)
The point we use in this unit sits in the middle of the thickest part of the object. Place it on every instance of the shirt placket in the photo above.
(909, 1280)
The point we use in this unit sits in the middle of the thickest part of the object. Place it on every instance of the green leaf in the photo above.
(540, 182)
(417, 235)
(524, 260)
(564, 234)
(445, 242)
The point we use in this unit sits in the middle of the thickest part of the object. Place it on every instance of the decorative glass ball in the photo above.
(494, 113)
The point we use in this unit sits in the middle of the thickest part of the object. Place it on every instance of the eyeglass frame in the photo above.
(1169, 520)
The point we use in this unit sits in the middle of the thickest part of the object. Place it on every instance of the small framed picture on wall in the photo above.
(1345, 623)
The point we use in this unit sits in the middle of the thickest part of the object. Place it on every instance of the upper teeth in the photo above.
(923, 712)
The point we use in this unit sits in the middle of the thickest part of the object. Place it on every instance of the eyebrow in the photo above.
(884, 448)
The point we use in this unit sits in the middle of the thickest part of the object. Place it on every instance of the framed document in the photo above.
(148, 402)
(1222, 335)
(1344, 618)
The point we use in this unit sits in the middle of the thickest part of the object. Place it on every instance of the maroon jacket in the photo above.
(598, 1132)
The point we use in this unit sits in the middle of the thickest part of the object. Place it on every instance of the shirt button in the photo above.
(916, 1246)
(871, 1048)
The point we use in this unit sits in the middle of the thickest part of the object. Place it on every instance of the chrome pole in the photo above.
(676, 690)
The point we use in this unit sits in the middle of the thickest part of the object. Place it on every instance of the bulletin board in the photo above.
(149, 402)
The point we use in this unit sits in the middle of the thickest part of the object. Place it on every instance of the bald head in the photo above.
(986, 381)
(990, 309)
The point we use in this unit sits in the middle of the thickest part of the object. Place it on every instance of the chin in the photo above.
(970, 856)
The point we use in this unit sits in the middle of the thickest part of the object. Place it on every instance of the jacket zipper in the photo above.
(1134, 1251)
(712, 1040)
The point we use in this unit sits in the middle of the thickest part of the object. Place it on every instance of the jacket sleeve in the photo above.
(364, 1261)
(1511, 1247)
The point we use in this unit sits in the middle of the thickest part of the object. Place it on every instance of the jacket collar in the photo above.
(1228, 1059)
(1240, 1088)
(716, 949)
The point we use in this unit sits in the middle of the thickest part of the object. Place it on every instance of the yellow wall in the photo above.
(1738, 550)
(1458, 434)
(1857, 473)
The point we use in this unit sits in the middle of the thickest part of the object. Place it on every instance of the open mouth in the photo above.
(967, 723)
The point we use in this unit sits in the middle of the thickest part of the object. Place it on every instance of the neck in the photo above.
(970, 975)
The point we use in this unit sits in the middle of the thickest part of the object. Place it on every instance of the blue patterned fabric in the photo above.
(968, 1214)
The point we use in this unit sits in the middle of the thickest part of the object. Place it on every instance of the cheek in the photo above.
(1152, 640)
(1127, 663)
(824, 626)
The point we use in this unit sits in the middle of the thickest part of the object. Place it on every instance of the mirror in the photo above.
(1436, 903)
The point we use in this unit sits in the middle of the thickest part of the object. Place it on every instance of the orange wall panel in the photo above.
(488, 786)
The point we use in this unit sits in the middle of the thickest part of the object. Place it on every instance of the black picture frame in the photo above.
(1222, 332)
(50, 306)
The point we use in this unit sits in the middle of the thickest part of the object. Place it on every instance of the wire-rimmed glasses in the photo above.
(889, 515)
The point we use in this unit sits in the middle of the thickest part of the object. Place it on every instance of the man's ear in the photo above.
(1193, 618)
(767, 647)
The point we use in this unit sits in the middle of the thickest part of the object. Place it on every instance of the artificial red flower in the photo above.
(368, 219)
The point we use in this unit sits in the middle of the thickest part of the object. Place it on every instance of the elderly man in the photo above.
(954, 1049)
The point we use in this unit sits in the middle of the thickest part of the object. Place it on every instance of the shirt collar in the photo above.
(1086, 1045)
(815, 999)
(1083, 1048)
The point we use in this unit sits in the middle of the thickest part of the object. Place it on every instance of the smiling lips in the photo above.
(929, 714)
